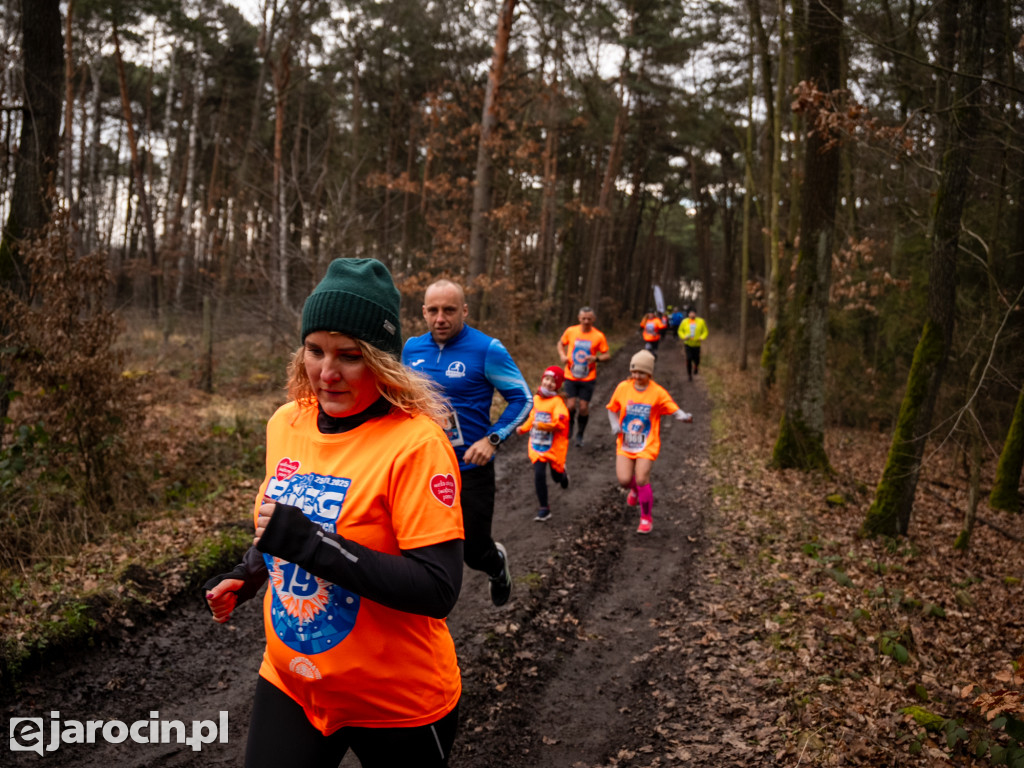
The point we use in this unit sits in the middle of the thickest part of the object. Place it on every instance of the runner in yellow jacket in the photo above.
(693, 330)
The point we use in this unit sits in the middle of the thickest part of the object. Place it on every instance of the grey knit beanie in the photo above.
(357, 298)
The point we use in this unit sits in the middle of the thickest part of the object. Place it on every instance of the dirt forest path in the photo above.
(586, 665)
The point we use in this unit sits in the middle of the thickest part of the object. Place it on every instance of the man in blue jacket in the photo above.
(469, 365)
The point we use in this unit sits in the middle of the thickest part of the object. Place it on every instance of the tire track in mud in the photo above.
(570, 673)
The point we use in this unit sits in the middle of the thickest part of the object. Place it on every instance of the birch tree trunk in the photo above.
(546, 241)
(69, 121)
(190, 241)
(168, 184)
(281, 77)
(92, 179)
(749, 181)
(890, 512)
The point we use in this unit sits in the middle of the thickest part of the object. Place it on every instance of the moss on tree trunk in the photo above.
(894, 499)
(769, 360)
(799, 446)
(1005, 493)
(801, 440)
(890, 512)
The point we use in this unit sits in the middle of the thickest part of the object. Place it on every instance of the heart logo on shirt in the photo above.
(286, 468)
(443, 488)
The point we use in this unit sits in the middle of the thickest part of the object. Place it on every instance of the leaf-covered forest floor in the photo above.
(754, 627)
(870, 646)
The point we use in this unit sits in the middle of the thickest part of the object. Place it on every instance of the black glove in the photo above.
(252, 571)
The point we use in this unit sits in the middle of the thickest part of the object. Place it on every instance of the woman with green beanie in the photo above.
(359, 531)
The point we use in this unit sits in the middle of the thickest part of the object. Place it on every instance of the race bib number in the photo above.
(454, 430)
(636, 427)
(580, 353)
(541, 440)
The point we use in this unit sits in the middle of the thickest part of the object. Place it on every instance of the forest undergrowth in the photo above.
(896, 652)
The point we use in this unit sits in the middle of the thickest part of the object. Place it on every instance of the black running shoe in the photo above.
(501, 585)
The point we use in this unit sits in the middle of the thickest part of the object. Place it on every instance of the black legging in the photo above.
(692, 359)
(280, 734)
(477, 499)
(540, 480)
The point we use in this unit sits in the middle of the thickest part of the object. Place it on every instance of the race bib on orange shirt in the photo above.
(541, 440)
(636, 427)
(580, 353)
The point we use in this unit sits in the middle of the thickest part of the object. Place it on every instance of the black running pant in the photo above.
(477, 499)
(280, 734)
(692, 359)
(540, 480)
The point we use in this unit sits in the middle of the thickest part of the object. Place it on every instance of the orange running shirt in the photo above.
(640, 418)
(652, 328)
(547, 445)
(392, 483)
(578, 346)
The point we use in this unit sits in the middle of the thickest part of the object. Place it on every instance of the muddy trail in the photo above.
(587, 665)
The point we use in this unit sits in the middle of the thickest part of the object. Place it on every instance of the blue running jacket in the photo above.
(469, 368)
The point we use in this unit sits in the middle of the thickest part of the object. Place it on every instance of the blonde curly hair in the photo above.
(406, 390)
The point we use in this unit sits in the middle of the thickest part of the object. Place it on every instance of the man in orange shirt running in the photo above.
(580, 348)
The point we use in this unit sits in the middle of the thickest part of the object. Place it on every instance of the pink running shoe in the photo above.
(631, 499)
(646, 524)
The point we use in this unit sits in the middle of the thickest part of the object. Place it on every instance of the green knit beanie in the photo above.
(357, 298)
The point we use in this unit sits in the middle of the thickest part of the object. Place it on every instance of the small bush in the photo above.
(70, 454)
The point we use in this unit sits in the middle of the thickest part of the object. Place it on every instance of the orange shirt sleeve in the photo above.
(424, 494)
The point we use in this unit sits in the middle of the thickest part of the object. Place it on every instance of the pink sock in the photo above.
(646, 498)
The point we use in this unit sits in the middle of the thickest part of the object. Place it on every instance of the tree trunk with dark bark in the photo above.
(801, 440)
(484, 166)
(894, 498)
(36, 161)
(140, 181)
(1005, 493)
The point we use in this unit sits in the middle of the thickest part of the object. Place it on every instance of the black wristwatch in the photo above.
(494, 439)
